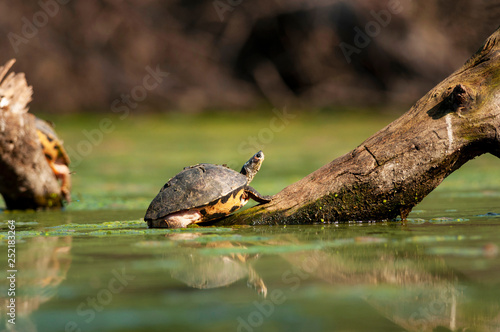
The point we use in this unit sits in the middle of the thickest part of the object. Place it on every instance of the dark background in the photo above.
(84, 55)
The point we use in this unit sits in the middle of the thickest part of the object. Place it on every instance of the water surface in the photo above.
(96, 267)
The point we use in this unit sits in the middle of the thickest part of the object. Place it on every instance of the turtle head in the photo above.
(252, 166)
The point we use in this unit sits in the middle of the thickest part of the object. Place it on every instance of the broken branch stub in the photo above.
(26, 180)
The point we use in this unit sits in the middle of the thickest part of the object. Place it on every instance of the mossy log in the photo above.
(26, 179)
(392, 171)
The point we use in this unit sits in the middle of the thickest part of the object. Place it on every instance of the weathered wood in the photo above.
(26, 180)
(392, 171)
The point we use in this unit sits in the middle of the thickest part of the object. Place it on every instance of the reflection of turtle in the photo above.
(56, 155)
(205, 271)
(204, 192)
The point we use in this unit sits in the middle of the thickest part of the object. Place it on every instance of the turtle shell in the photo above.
(51, 144)
(197, 186)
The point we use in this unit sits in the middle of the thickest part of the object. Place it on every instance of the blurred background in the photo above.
(238, 54)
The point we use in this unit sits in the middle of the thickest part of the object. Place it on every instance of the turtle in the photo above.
(204, 192)
(55, 154)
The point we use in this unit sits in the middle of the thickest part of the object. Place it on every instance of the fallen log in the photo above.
(393, 170)
(26, 179)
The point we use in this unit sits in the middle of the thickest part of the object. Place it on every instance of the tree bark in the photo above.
(392, 171)
(26, 179)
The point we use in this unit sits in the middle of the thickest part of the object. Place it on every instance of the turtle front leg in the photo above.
(62, 172)
(256, 196)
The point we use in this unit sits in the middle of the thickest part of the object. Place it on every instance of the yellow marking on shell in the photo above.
(57, 159)
(49, 147)
(220, 208)
(52, 148)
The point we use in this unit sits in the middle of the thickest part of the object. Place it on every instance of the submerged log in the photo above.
(26, 179)
(392, 171)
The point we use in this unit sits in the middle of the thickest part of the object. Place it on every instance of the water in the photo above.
(96, 267)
